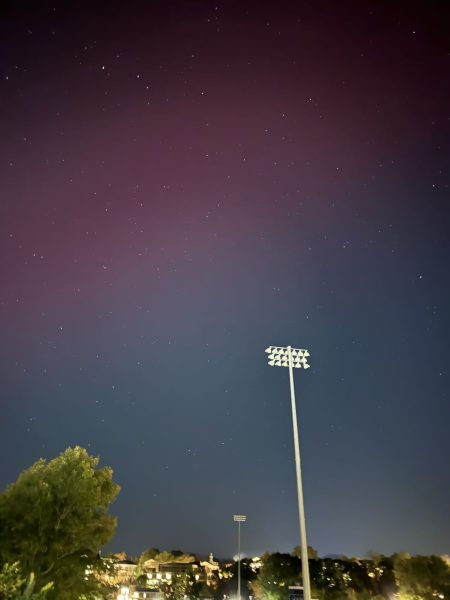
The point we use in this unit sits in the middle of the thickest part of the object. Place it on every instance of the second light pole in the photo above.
(239, 519)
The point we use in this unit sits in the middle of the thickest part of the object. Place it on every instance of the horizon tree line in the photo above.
(54, 521)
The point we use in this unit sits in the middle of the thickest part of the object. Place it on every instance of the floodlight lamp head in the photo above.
(280, 356)
(239, 518)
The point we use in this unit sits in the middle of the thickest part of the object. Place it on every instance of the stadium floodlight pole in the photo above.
(295, 358)
(239, 519)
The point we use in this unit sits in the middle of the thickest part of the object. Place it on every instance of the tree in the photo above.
(277, 573)
(329, 578)
(184, 585)
(312, 552)
(167, 557)
(13, 586)
(54, 520)
(247, 573)
(425, 577)
(148, 554)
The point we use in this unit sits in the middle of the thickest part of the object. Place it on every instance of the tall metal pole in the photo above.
(239, 560)
(301, 508)
(239, 519)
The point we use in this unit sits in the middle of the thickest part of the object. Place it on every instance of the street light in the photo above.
(295, 358)
(239, 519)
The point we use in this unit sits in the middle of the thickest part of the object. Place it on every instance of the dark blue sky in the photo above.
(183, 184)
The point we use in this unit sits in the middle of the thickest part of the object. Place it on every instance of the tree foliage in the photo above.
(278, 571)
(14, 586)
(378, 578)
(170, 557)
(424, 577)
(54, 520)
(312, 552)
(166, 556)
(183, 586)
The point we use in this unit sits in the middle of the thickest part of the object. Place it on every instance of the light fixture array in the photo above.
(240, 518)
(279, 357)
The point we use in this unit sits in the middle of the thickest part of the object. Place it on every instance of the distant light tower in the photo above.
(295, 358)
(239, 519)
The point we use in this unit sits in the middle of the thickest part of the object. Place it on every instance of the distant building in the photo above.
(295, 592)
(176, 568)
(160, 572)
(134, 591)
(210, 569)
(125, 570)
(159, 577)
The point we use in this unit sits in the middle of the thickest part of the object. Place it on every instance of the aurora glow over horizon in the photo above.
(183, 184)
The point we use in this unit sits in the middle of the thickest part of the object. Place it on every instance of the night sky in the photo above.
(185, 183)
